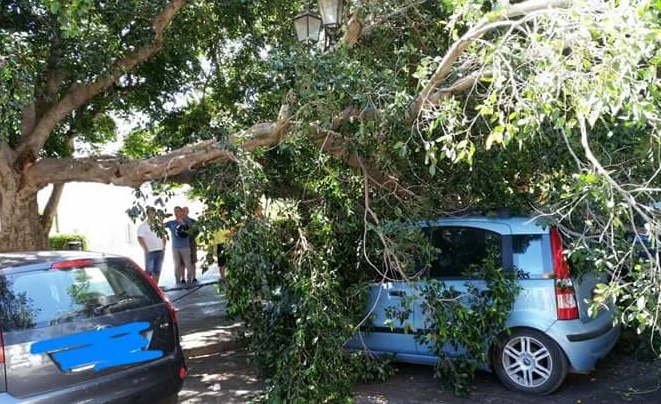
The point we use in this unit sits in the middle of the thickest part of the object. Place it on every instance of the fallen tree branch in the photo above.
(491, 22)
(118, 171)
(332, 142)
(126, 172)
(459, 86)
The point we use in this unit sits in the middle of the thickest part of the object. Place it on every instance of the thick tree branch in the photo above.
(491, 22)
(53, 79)
(125, 172)
(79, 95)
(28, 118)
(333, 143)
(172, 167)
(54, 75)
(268, 133)
(261, 134)
(459, 86)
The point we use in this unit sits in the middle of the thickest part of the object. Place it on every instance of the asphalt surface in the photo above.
(221, 372)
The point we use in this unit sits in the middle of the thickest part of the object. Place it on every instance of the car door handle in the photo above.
(397, 293)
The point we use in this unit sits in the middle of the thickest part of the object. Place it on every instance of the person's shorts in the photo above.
(154, 262)
(221, 254)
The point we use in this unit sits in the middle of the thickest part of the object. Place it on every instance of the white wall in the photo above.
(98, 211)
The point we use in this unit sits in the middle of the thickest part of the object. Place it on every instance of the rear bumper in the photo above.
(591, 334)
(150, 382)
(584, 343)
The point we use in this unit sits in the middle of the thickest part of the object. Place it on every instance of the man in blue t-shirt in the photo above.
(181, 254)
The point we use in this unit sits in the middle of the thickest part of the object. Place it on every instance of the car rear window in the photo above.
(44, 298)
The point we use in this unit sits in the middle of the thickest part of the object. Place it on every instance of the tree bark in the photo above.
(21, 227)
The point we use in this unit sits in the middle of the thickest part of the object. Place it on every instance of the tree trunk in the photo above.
(49, 212)
(21, 224)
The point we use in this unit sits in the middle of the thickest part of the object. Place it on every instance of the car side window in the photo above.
(461, 249)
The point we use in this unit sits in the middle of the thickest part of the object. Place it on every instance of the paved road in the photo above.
(220, 371)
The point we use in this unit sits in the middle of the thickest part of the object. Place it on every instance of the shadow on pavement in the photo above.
(220, 370)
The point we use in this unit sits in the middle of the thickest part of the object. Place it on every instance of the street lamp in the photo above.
(331, 13)
(308, 25)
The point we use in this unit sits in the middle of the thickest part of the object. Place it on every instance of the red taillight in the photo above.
(173, 311)
(565, 295)
(80, 263)
(183, 372)
(560, 266)
(2, 349)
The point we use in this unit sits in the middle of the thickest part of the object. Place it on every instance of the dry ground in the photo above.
(220, 371)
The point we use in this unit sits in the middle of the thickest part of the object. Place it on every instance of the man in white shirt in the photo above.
(152, 243)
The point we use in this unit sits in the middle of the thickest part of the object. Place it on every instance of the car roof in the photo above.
(517, 224)
(29, 258)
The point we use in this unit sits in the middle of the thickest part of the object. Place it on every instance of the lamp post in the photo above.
(308, 24)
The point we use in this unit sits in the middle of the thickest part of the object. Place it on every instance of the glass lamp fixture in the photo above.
(308, 26)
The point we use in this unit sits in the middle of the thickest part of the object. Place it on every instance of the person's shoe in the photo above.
(194, 280)
(182, 281)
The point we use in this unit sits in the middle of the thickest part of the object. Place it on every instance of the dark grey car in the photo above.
(85, 327)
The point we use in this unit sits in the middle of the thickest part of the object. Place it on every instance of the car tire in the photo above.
(530, 362)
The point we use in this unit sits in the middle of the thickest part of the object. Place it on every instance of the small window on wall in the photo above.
(460, 250)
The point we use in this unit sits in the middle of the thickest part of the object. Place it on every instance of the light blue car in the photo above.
(551, 331)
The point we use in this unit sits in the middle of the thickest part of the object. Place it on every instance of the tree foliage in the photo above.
(68, 70)
(541, 107)
(422, 108)
(433, 108)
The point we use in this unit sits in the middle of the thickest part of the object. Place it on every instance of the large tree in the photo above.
(67, 68)
(420, 108)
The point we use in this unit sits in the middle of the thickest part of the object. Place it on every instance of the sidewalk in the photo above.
(220, 370)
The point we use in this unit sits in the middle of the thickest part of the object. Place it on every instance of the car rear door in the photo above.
(460, 246)
(79, 320)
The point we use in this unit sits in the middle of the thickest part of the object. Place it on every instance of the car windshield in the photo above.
(54, 296)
